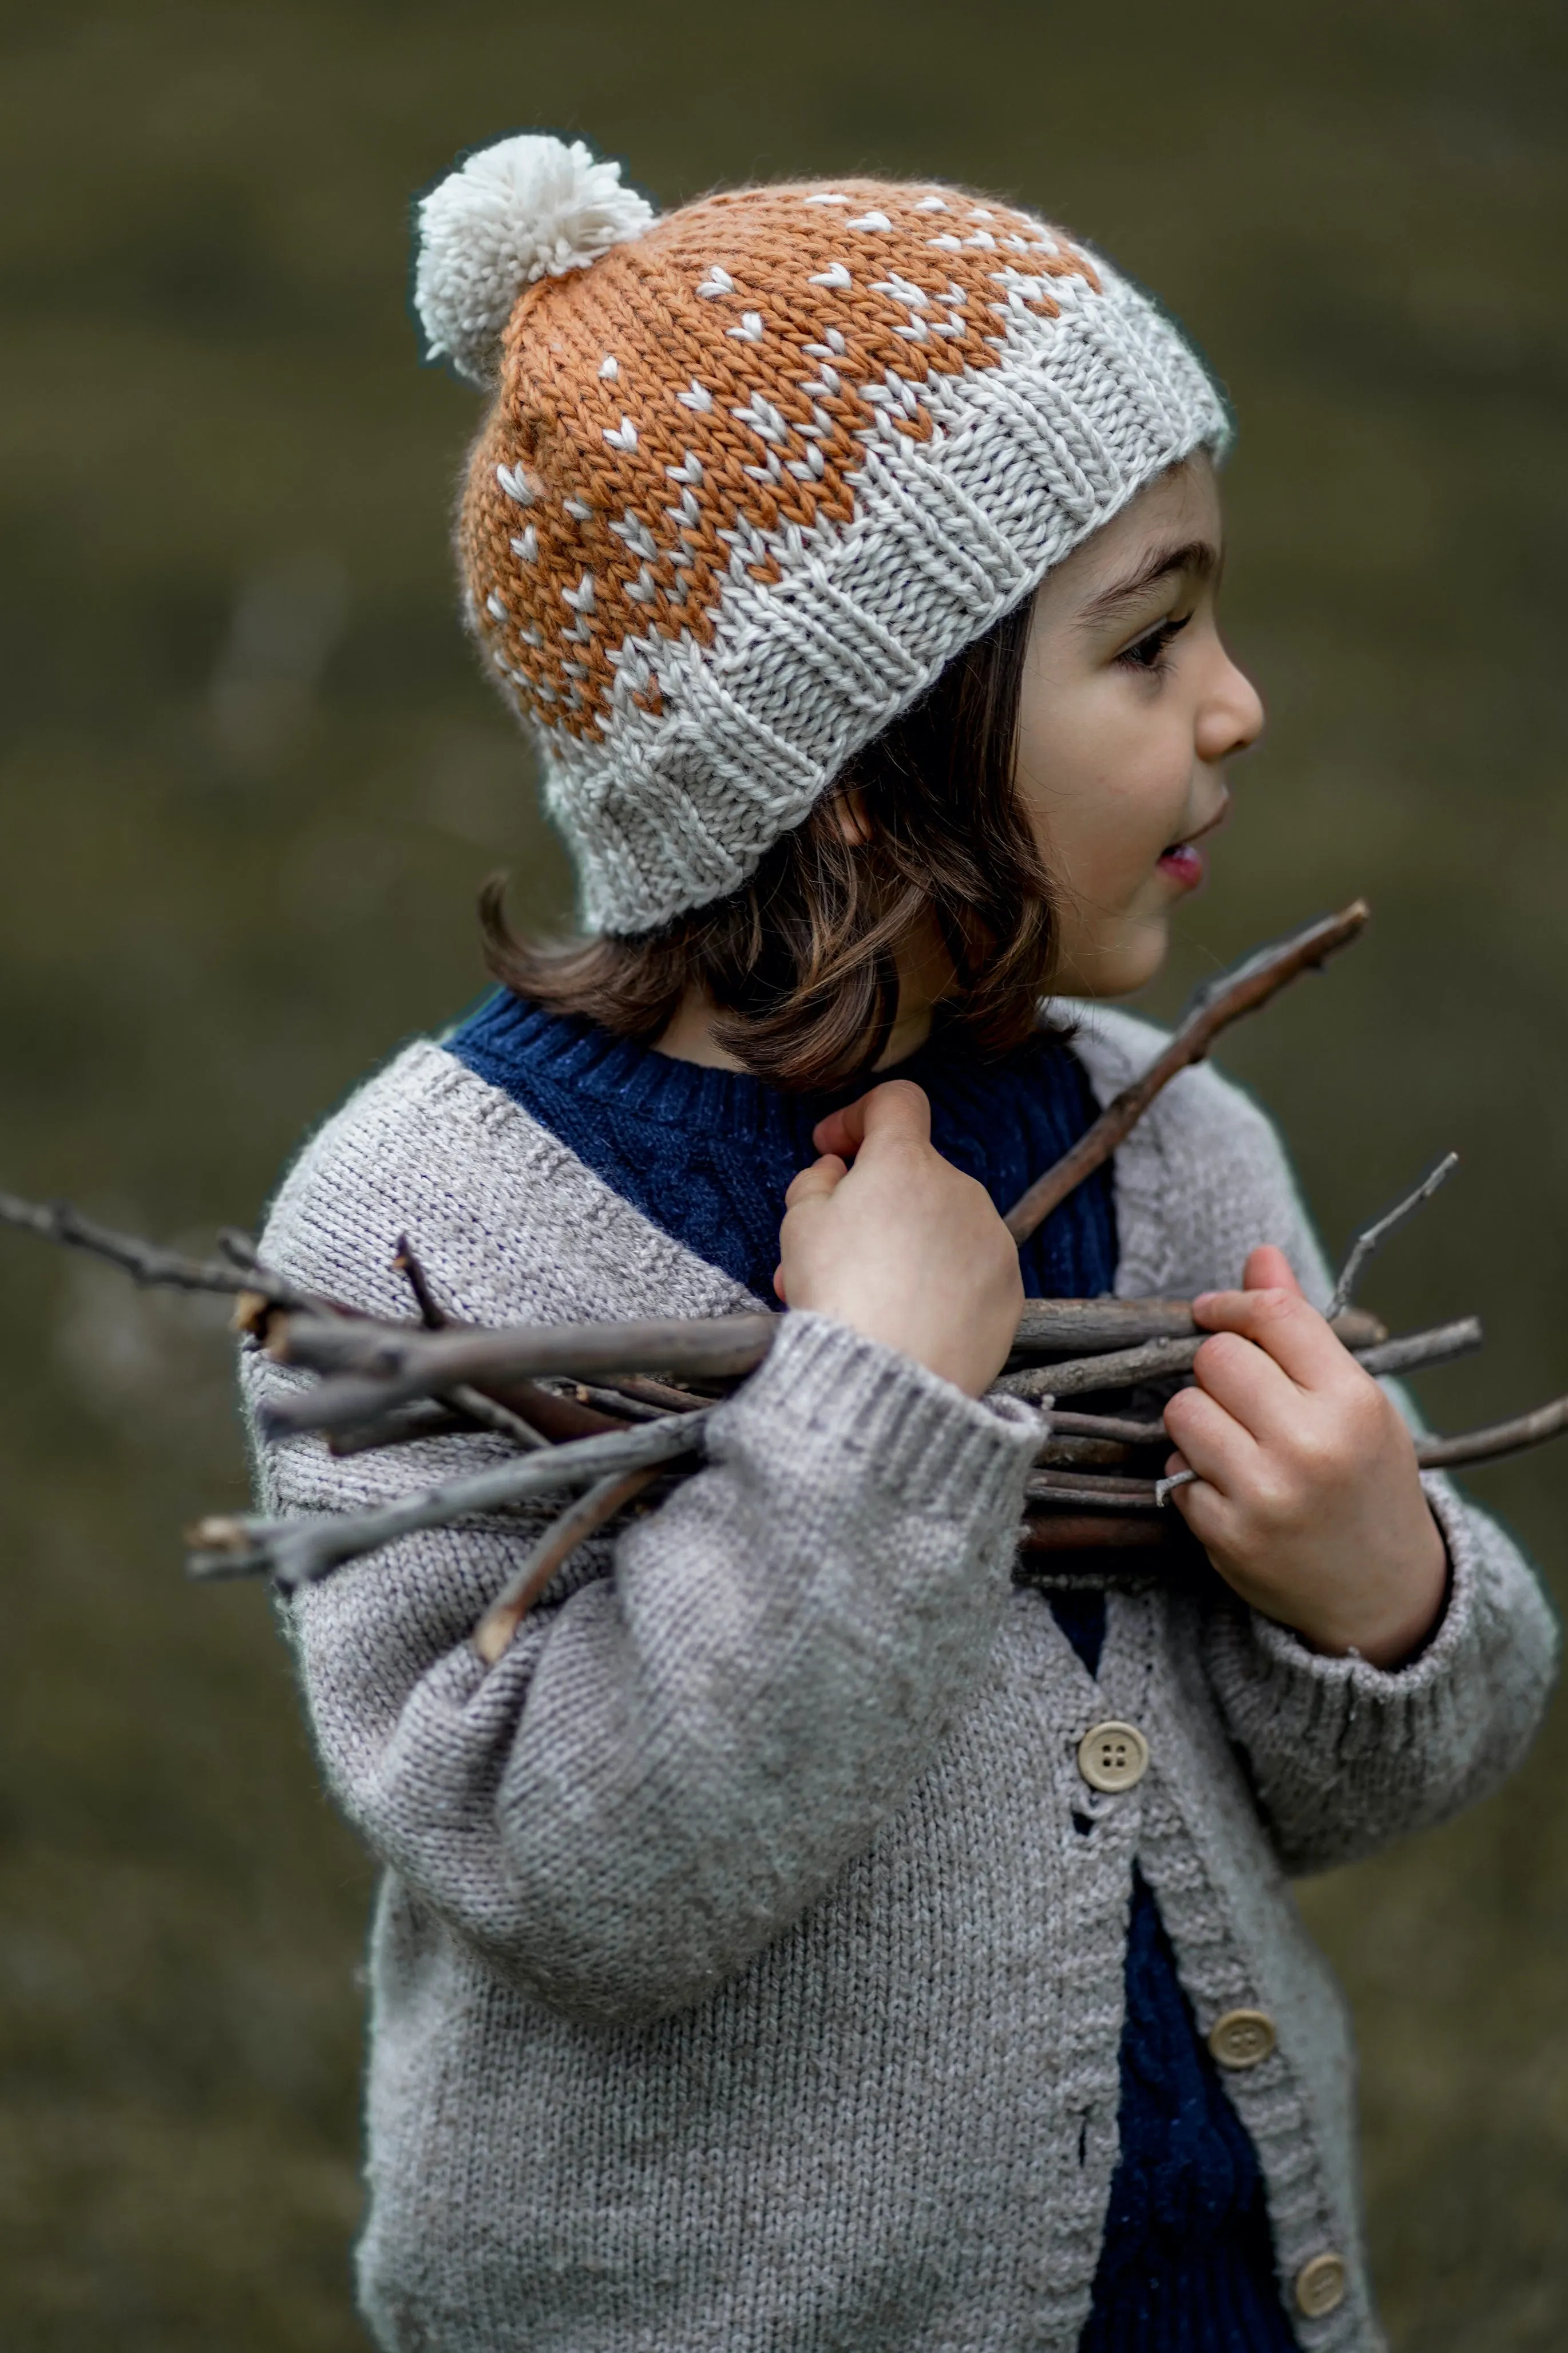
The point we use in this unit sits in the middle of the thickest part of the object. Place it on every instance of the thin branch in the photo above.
(1440, 1345)
(559, 1418)
(1110, 1494)
(1500, 1439)
(500, 1622)
(296, 1551)
(148, 1262)
(1243, 990)
(484, 1412)
(1490, 1444)
(1092, 1453)
(637, 1388)
(1084, 1327)
(548, 1420)
(1126, 1368)
(1103, 1532)
(610, 1404)
(1079, 1328)
(386, 1365)
(1155, 1360)
(405, 1427)
(406, 1262)
(1107, 1425)
(488, 1413)
(1371, 1237)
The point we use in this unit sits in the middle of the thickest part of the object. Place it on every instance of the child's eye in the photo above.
(1148, 652)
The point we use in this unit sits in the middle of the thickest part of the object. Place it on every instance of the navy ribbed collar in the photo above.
(571, 1052)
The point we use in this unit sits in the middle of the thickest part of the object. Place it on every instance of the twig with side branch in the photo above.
(296, 1551)
(500, 1622)
(1222, 1001)
(1371, 1237)
(149, 1262)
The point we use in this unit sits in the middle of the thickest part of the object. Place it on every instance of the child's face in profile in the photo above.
(1130, 708)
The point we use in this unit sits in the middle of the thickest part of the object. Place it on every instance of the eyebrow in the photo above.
(1198, 557)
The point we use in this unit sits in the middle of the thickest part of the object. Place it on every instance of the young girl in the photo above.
(805, 1936)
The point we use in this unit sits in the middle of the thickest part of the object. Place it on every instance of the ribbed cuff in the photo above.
(824, 1390)
(1318, 1687)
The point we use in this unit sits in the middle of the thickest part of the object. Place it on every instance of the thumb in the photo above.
(897, 1111)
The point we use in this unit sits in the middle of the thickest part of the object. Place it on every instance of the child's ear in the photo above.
(849, 810)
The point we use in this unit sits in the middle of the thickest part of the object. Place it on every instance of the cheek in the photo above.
(1105, 805)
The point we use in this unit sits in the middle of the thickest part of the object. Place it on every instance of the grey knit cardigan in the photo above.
(747, 1970)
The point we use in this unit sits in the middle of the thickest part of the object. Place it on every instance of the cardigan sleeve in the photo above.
(674, 1758)
(1343, 1757)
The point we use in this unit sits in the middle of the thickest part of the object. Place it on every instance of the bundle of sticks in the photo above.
(613, 1414)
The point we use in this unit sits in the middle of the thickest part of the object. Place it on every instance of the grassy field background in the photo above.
(250, 781)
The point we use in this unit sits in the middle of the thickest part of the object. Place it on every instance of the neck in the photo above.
(925, 977)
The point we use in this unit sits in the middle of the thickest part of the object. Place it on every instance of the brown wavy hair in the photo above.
(801, 962)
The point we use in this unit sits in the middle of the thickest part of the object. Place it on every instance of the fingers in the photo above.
(1210, 1441)
(897, 1111)
(1276, 1318)
(901, 1245)
(818, 1182)
(1269, 1268)
(808, 1186)
(1242, 1379)
(1227, 1461)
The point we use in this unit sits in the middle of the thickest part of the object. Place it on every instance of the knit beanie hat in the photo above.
(755, 470)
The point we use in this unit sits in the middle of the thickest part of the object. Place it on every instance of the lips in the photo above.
(1184, 863)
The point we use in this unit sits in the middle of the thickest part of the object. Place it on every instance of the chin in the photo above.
(1126, 965)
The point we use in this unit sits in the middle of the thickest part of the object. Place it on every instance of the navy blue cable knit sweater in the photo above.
(1186, 2264)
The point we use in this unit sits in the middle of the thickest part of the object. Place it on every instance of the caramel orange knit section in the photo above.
(697, 393)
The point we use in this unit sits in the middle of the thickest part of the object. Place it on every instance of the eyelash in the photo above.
(1148, 652)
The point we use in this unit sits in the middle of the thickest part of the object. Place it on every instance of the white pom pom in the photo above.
(526, 208)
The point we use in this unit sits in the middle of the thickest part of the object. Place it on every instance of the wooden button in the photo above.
(1320, 2285)
(1242, 2038)
(1113, 1757)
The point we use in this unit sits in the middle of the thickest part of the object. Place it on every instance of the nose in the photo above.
(1230, 716)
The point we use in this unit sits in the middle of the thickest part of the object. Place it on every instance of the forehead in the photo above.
(1180, 509)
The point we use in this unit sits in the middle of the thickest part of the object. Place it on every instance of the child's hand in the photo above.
(902, 1246)
(1308, 1502)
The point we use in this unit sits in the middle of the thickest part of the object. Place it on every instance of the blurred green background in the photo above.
(250, 781)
